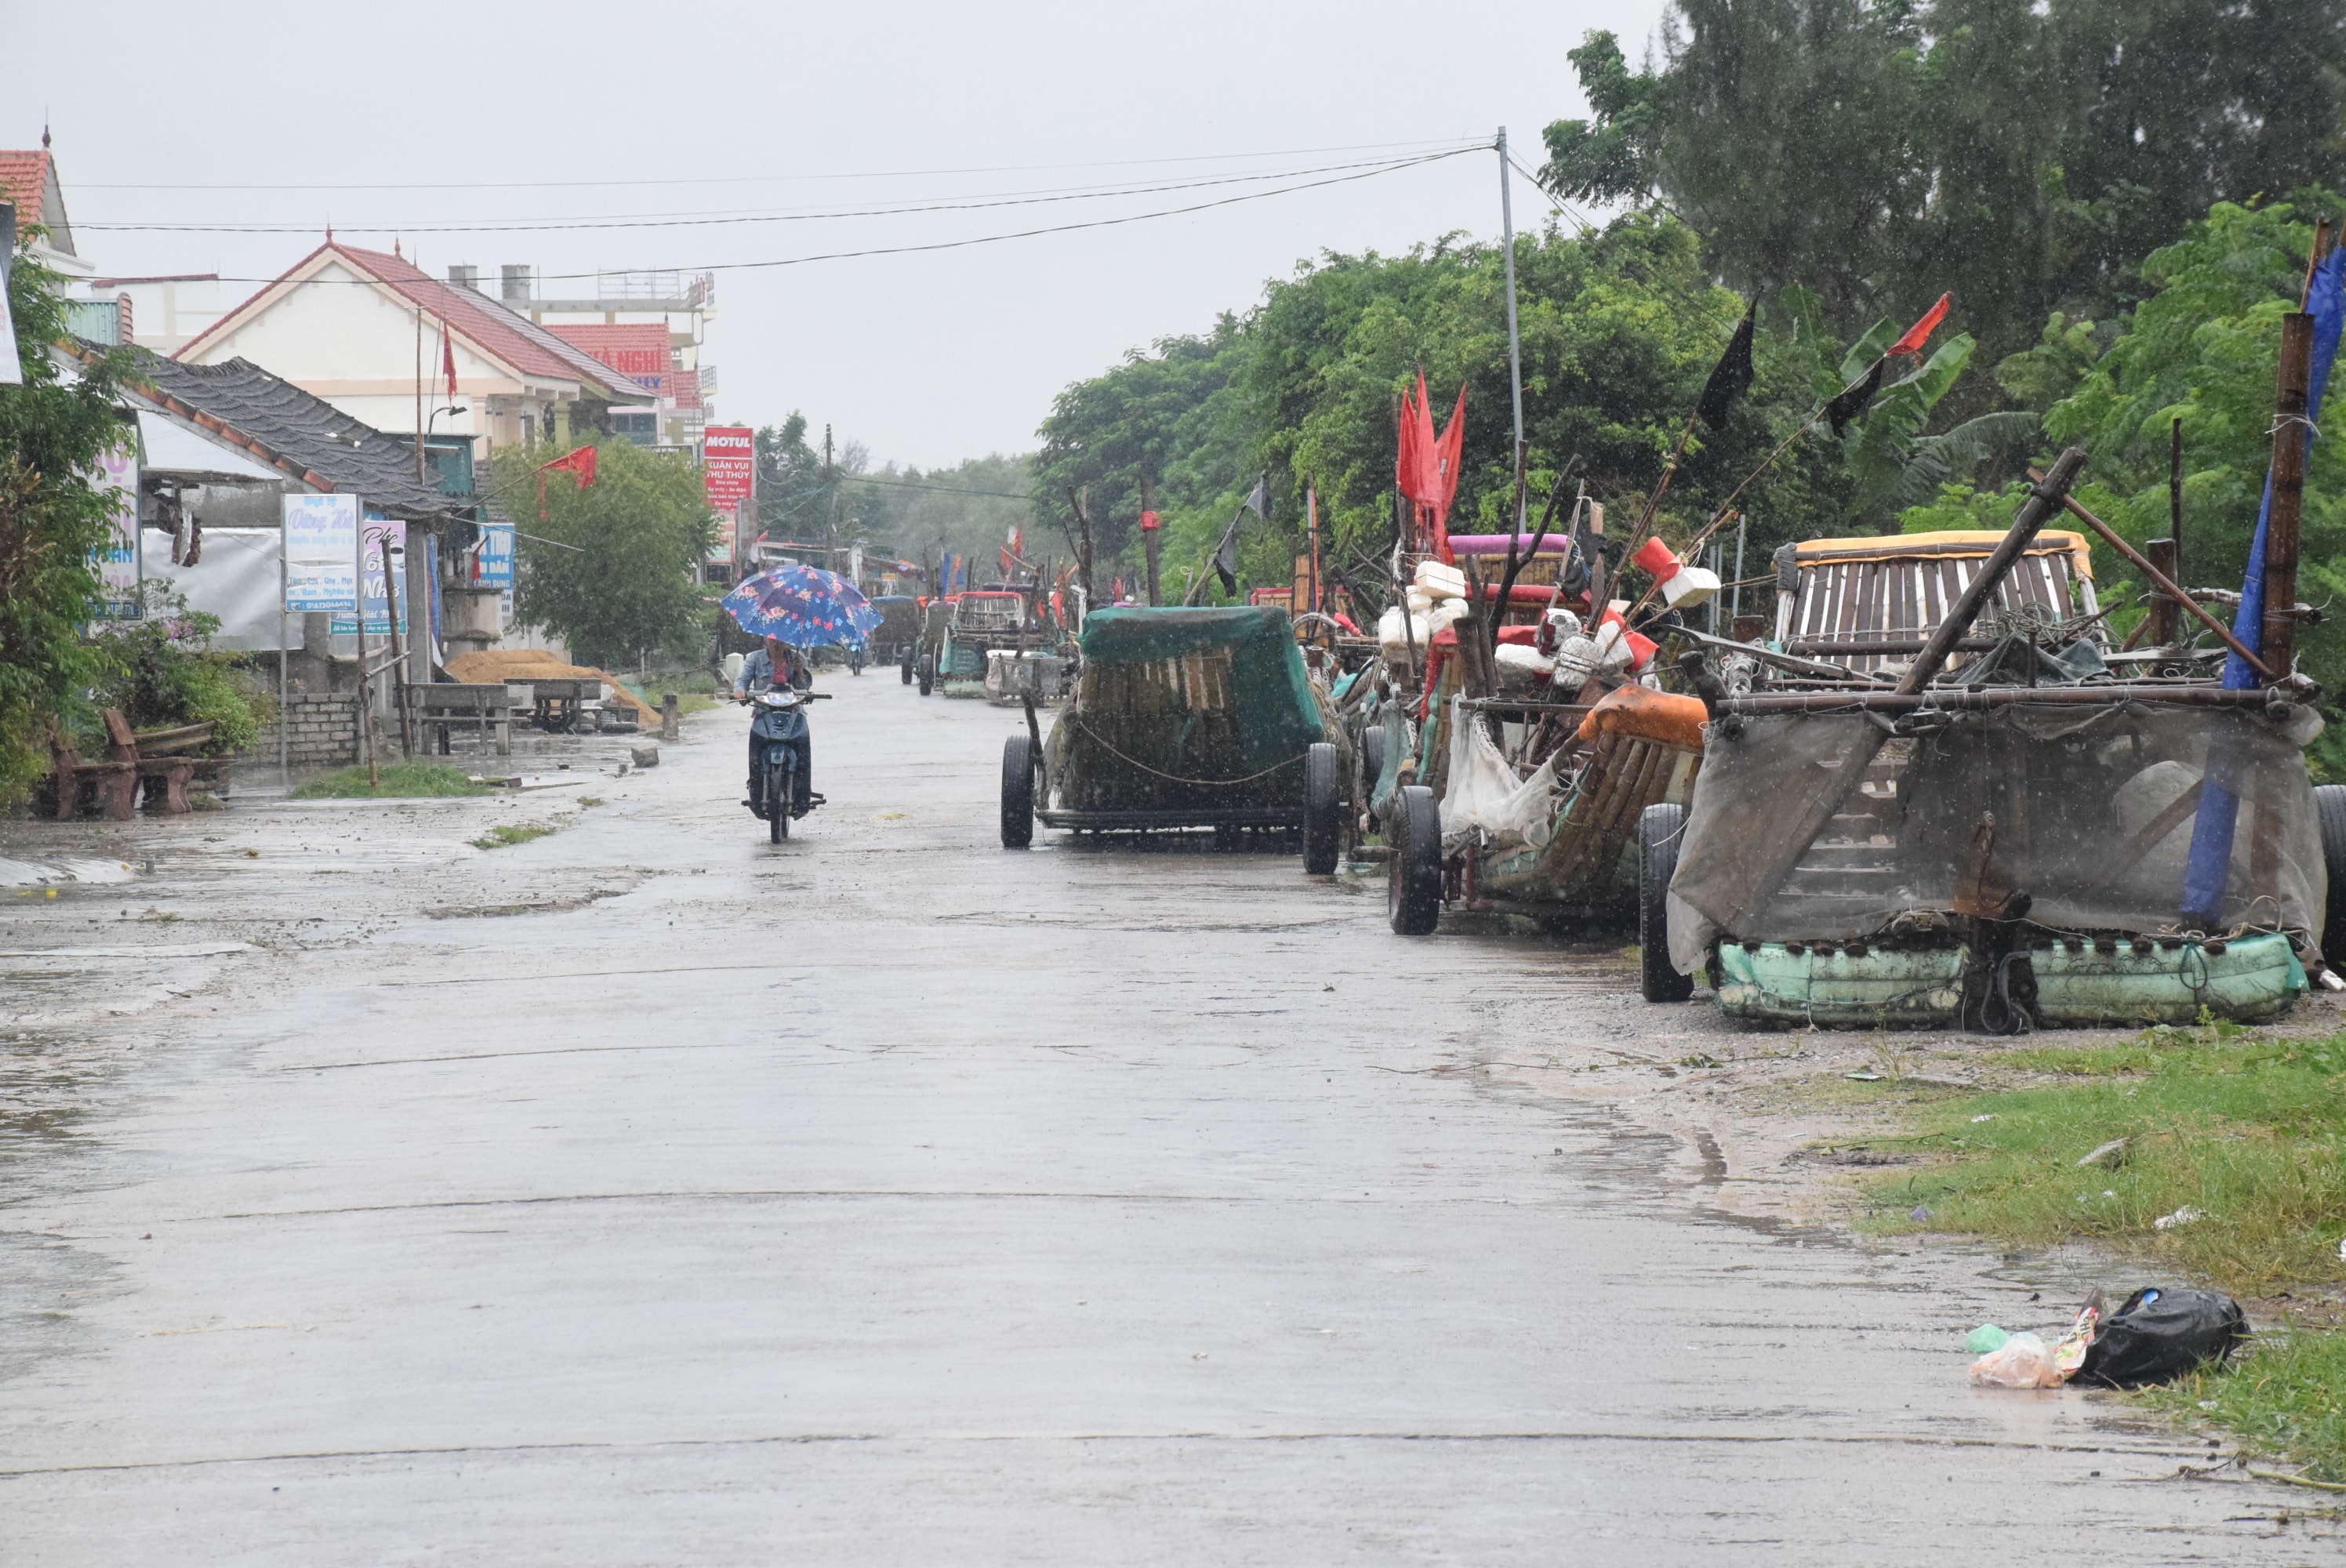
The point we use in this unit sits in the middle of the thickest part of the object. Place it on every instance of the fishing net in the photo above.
(1183, 708)
(2089, 811)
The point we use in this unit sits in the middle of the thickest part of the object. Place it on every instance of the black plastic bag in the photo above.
(2158, 1334)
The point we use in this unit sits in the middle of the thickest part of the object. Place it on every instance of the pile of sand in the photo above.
(493, 665)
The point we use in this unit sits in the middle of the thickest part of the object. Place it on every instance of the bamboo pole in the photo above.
(2165, 584)
(2291, 436)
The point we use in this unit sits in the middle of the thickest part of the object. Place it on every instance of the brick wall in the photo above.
(321, 731)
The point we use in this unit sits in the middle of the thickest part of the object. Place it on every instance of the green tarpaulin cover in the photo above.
(1278, 717)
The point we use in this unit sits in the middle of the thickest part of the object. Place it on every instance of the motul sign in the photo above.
(729, 466)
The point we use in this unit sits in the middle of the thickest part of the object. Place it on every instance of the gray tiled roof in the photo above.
(307, 434)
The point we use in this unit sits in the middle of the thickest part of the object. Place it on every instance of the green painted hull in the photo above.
(2253, 979)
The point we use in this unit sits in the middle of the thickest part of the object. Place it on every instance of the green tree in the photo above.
(1171, 416)
(2202, 348)
(611, 571)
(2021, 155)
(1619, 329)
(54, 518)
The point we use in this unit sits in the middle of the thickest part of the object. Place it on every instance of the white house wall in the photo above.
(353, 343)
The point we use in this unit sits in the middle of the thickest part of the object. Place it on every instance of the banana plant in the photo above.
(1894, 464)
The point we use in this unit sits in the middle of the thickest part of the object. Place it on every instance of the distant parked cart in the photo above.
(1185, 718)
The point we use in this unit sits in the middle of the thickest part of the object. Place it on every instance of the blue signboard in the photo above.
(493, 562)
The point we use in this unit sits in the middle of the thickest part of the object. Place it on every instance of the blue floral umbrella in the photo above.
(805, 606)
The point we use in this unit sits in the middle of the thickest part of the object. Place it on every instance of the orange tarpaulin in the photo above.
(1648, 714)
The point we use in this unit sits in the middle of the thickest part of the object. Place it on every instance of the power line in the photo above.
(777, 178)
(687, 220)
(975, 240)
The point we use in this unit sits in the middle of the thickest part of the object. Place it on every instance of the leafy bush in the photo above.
(162, 672)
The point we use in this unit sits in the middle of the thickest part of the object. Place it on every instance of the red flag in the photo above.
(579, 463)
(448, 358)
(1442, 472)
(1405, 449)
(1445, 464)
(1920, 332)
(1427, 449)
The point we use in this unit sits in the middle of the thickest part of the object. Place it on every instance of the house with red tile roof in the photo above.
(372, 333)
(29, 179)
(667, 412)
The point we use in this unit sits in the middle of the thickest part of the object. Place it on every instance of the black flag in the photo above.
(1258, 500)
(1851, 401)
(1729, 379)
(1225, 558)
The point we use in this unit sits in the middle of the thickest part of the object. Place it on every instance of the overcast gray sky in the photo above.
(927, 357)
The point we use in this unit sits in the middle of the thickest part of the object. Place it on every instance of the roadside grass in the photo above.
(2284, 1395)
(2249, 1133)
(2239, 1142)
(399, 778)
(512, 833)
(692, 693)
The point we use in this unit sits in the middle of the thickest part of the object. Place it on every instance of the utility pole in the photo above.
(1150, 532)
(1080, 501)
(1514, 342)
(830, 504)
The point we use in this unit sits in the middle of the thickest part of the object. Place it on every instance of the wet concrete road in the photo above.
(647, 1194)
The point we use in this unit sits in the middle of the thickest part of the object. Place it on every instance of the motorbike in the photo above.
(855, 658)
(780, 717)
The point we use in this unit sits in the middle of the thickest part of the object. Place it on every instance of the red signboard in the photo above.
(729, 466)
(638, 350)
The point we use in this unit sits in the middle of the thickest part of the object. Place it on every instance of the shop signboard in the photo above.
(322, 546)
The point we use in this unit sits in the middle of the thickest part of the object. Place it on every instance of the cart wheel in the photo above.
(1373, 754)
(1018, 792)
(1414, 885)
(1658, 831)
(904, 663)
(928, 674)
(2329, 812)
(1323, 809)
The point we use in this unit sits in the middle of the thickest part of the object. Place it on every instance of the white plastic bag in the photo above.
(1484, 792)
(1448, 613)
(2025, 1362)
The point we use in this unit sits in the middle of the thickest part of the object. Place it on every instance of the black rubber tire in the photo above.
(1413, 871)
(904, 665)
(1018, 792)
(778, 804)
(1323, 809)
(1658, 830)
(2330, 814)
(928, 674)
(1372, 755)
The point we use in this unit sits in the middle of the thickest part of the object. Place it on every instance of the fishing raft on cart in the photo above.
(1958, 805)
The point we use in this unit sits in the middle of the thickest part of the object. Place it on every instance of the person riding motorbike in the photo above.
(777, 664)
